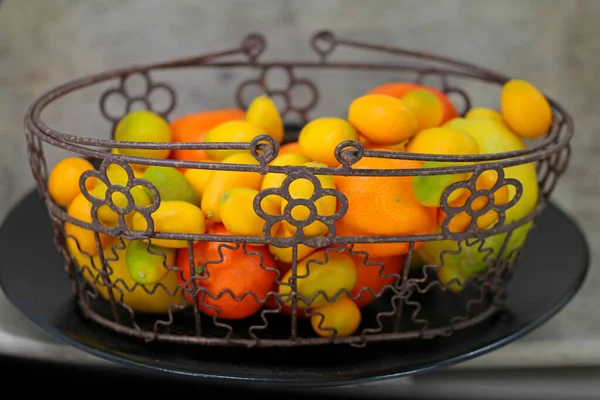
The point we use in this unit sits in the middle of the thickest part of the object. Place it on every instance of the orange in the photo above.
(238, 273)
(374, 249)
(338, 319)
(382, 206)
(385, 147)
(525, 109)
(80, 209)
(399, 89)
(193, 127)
(319, 138)
(442, 140)
(382, 119)
(374, 276)
(291, 147)
(63, 181)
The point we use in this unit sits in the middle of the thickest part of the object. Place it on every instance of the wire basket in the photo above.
(420, 296)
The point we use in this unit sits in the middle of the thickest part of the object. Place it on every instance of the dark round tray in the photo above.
(555, 263)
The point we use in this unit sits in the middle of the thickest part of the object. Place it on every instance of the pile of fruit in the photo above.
(231, 279)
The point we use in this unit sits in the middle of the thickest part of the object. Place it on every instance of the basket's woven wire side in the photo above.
(402, 311)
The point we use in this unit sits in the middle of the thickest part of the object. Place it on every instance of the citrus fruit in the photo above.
(171, 184)
(428, 189)
(384, 205)
(320, 137)
(263, 113)
(274, 179)
(236, 208)
(291, 147)
(230, 278)
(63, 181)
(525, 109)
(221, 180)
(304, 189)
(173, 216)
(284, 254)
(231, 132)
(376, 277)
(339, 319)
(140, 298)
(400, 89)
(426, 106)
(442, 140)
(373, 249)
(80, 209)
(147, 264)
(382, 119)
(321, 276)
(198, 178)
(385, 147)
(143, 126)
(193, 128)
(484, 113)
(106, 215)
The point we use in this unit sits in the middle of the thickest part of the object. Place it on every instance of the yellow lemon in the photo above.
(236, 208)
(284, 254)
(263, 113)
(484, 113)
(442, 140)
(234, 131)
(198, 178)
(273, 179)
(319, 138)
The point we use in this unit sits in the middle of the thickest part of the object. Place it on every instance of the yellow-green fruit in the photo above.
(319, 138)
(106, 215)
(143, 126)
(148, 265)
(484, 113)
(428, 189)
(236, 208)
(171, 184)
(173, 217)
(235, 131)
(315, 280)
(220, 181)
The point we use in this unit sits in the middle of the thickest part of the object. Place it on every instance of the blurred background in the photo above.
(554, 44)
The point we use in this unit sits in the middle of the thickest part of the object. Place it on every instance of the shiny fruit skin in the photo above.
(236, 208)
(525, 109)
(274, 179)
(171, 184)
(231, 132)
(143, 126)
(147, 264)
(198, 178)
(428, 189)
(319, 138)
(263, 113)
(427, 108)
(80, 209)
(315, 281)
(221, 180)
(194, 127)
(284, 254)
(237, 273)
(173, 217)
(291, 147)
(382, 119)
(400, 89)
(374, 277)
(340, 319)
(63, 181)
(484, 113)
(106, 215)
(443, 140)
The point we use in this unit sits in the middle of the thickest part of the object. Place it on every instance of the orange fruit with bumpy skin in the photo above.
(319, 138)
(525, 109)
(80, 209)
(374, 277)
(239, 273)
(194, 127)
(384, 205)
(426, 106)
(400, 89)
(442, 140)
(382, 119)
(338, 319)
(63, 181)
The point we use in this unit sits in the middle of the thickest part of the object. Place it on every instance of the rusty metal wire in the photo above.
(413, 304)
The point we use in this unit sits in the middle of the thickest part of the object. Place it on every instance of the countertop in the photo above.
(555, 47)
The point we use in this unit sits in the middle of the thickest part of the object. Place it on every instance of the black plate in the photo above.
(554, 266)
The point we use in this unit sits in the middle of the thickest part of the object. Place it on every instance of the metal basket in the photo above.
(415, 305)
